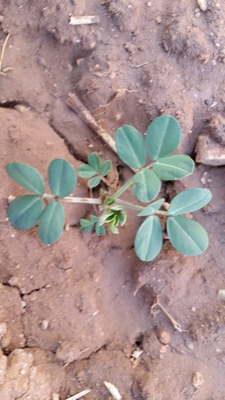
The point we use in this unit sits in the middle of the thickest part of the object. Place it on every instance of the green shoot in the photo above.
(162, 139)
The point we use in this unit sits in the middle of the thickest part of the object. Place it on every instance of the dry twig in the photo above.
(82, 112)
(85, 19)
(79, 395)
(176, 325)
(2, 53)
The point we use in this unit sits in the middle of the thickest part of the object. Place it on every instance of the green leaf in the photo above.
(99, 229)
(103, 217)
(116, 219)
(94, 161)
(94, 218)
(85, 171)
(151, 208)
(51, 223)
(174, 167)
(148, 240)
(86, 225)
(130, 146)
(25, 211)
(189, 201)
(62, 177)
(163, 137)
(122, 218)
(116, 207)
(105, 168)
(113, 228)
(26, 176)
(94, 181)
(110, 218)
(187, 236)
(147, 185)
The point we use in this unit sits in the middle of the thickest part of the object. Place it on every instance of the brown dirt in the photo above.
(69, 319)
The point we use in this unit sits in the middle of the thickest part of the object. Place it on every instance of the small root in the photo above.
(175, 324)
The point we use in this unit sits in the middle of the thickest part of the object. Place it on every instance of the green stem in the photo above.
(85, 200)
(148, 166)
(129, 205)
(122, 189)
(162, 213)
(139, 208)
(48, 196)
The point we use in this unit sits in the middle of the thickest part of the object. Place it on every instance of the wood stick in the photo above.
(82, 112)
(3, 52)
(85, 19)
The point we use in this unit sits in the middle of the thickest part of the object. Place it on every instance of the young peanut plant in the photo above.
(162, 138)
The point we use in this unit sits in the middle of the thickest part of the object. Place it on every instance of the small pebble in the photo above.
(140, 101)
(10, 199)
(97, 67)
(118, 117)
(190, 346)
(66, 227)
(3, 329)
(163, 349)
(202, 4)
(70, 67)
(79, 61)
(158, 19)
(1, 18)
(166, 205)
(204, 178)
(81, 376)
(14, 281)
(197, 380)
(164, 336)
(221, 295)
(7, 69)
(149, 4)
(45, 324)
(55, 396)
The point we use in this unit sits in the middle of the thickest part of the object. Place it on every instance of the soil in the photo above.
(72, 314)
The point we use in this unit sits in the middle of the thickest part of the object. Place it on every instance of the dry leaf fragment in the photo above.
(86, 19)
(136, 353)
(197, 380)
(204, 58)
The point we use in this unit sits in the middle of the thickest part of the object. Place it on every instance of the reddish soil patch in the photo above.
(69, 319)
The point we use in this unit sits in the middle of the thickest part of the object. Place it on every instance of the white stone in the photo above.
(209, 152)
(202, 4)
